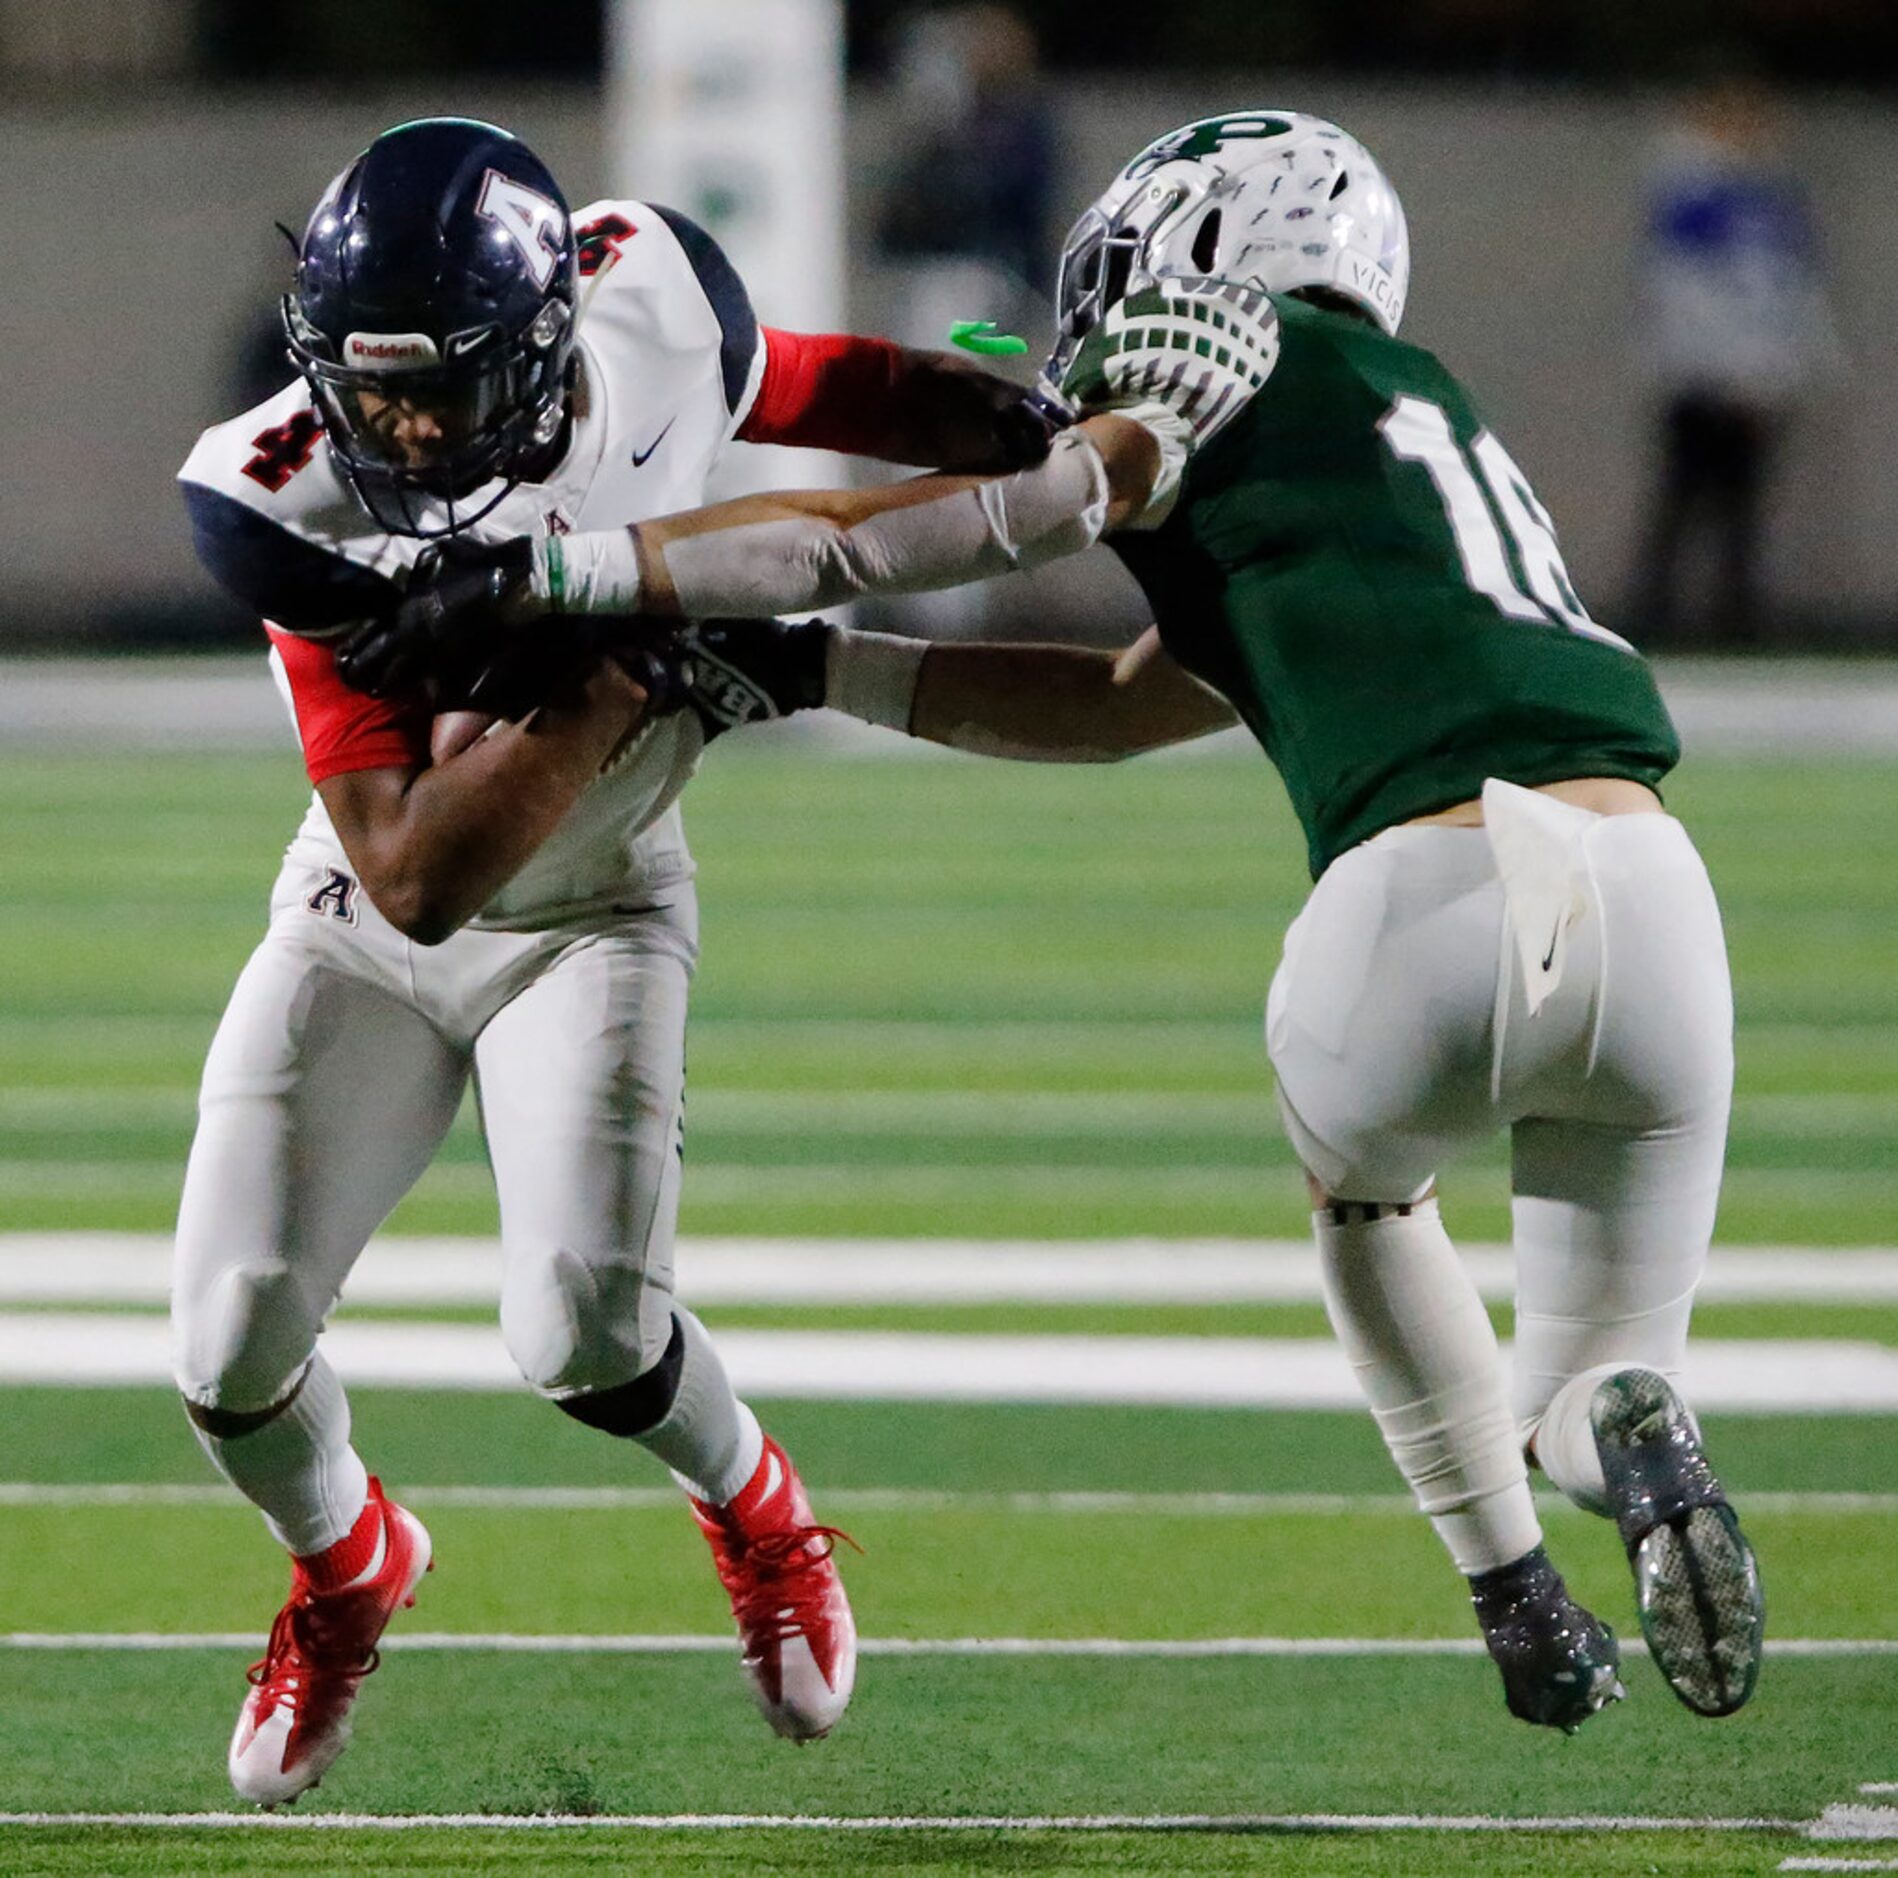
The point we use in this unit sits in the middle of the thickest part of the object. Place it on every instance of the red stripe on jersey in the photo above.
(827, 391)
(344, 730)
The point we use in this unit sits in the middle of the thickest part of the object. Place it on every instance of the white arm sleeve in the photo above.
(1037, 515)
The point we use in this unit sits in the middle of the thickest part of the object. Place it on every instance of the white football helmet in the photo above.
(1271, 200)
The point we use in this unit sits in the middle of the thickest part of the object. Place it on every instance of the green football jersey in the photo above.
(1355, 561)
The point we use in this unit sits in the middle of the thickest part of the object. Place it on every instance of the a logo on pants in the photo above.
(336, 898)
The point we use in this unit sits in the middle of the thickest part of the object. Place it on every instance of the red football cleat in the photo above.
(295, 1722)
(794, 1621)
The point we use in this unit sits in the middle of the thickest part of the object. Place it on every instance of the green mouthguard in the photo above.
(981, 337)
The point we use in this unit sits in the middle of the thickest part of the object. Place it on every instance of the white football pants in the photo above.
(1400, 1033)
(334, 1076)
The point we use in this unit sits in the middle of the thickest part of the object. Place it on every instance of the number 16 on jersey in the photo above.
(1418, 431)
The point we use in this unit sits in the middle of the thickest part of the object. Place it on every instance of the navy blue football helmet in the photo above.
(432, 316)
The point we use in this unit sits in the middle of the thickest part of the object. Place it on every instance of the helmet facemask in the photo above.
(433, 319)
(1096, 265)
(1111, 252)
(1274, 202)
(429, 433)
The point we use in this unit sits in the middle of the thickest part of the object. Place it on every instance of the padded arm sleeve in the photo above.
(1019, 521)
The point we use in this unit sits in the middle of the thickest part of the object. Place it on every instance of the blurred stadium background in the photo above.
(984, 1191)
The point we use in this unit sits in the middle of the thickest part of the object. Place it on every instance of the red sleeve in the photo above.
(826, 391)
(344, 730)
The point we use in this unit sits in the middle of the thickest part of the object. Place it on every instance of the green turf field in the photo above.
(945, 999)
(936, 997)
(960, 1540)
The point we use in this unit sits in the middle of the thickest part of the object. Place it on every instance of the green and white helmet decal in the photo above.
(1209, 136)
(1199, 347)
(1270, 200)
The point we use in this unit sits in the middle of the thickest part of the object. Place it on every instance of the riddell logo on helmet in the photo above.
(390, 351)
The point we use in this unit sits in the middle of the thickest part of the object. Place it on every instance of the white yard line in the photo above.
(1107, 1503)
(914, 1822)
(124, 1268)
(1856, 1822)
(1838, 1864)
(514, 1643)
(57, 1348)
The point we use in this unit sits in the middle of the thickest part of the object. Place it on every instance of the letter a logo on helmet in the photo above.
(535, 225)
(432, 316)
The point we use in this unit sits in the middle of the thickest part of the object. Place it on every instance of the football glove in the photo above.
(748, 671)
(1024, 425)
(462, 638)
(1026, 428)
(459, 630)
(980, 422)
(546, 662)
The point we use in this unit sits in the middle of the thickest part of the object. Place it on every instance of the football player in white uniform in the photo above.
(1506, 930)
(505, 895)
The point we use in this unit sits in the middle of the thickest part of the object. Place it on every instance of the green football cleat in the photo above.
(1560, 1664)
(1696, 1582)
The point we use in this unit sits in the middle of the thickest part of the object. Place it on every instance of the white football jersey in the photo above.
(670, 359)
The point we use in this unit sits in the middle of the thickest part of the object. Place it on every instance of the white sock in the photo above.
(710, 1439)
(299, 1469)
(1416, 1332)
(1565, 1439)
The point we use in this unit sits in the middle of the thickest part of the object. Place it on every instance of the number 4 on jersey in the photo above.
(1419, 432)
(283, 450)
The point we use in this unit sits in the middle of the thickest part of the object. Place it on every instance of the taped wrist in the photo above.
(1174, 436)
(1057, 508)
(595, 572)
(873, 676)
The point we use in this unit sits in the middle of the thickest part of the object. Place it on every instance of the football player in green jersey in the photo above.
(1507, 930)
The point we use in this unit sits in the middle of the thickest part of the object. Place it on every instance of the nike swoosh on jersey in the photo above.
(1548, 958)
(640, 456)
